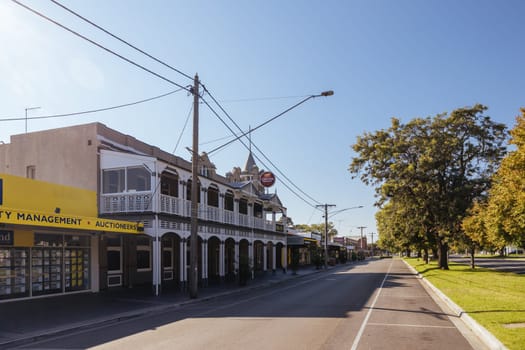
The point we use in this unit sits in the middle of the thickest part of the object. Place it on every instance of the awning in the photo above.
(32, 218)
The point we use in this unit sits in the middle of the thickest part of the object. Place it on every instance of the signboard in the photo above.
(25, 217)
(6, 237)
(267, 179)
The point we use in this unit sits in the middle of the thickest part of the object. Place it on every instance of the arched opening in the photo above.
(199, 260)
(213, 260)
(229, 259)
(279, 248)
(270, 257)
(228, 200)
(258, 256)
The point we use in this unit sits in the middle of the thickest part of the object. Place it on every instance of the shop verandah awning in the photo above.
(56, 220)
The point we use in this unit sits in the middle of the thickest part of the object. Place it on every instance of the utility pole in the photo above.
(194, 238)
(372, 234)
(325, 232)
(361, 228)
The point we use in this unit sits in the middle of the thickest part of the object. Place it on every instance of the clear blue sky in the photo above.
(382, 58)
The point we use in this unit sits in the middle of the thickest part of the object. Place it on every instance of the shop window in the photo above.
(114, 261)
(143, 254)
(48, 240)
(113, 181)
(76, 241)
(114, 254)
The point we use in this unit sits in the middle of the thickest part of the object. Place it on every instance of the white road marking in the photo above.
(365, 321)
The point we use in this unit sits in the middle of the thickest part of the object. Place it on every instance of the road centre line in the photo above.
(409, 325)
(365, 321)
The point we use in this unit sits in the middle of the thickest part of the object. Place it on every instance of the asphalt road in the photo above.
(504, 265)
(377, 304)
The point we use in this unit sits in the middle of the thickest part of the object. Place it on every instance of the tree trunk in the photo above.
(425, 256)
(443, 255)
(472, 261)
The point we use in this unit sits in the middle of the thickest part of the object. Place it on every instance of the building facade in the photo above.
(238, 222)
(49, 238)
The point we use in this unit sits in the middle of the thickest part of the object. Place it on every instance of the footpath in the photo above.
(27, 320)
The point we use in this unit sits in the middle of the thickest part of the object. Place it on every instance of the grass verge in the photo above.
(494, 299)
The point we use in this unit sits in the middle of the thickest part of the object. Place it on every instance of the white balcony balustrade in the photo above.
(143, 202)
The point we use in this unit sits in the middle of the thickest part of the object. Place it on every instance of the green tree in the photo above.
(506, 205)
(435, 167)
(332, 231)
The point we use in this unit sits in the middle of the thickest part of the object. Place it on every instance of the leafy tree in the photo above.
(332, 232)
(433, 167)
(506, 206)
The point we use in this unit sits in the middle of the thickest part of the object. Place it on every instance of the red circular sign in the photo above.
(267, 179)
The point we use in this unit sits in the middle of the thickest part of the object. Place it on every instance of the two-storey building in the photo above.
(237, 220)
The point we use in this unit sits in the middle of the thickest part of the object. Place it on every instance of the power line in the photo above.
(248, 148)
(121, 40)
(259, 98)
(99, 45)
(238, 137)
(263, 124)
(92, 110)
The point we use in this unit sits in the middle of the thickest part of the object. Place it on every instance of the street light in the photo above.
(30, 109)
(326, 216)
(322, 94)
(194, 222)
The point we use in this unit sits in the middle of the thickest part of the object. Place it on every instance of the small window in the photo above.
(31, 172)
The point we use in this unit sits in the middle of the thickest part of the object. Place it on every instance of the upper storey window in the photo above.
(130, 179)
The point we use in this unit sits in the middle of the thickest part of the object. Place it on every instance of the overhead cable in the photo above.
(100, 46)
(121, 40)
(91, 110)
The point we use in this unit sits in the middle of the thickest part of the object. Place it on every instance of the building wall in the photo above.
(73, 150)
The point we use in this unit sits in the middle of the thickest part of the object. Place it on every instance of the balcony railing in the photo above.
(142, 202)
(125, 203)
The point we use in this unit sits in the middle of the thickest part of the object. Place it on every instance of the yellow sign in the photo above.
(19, 192)
(31, 218)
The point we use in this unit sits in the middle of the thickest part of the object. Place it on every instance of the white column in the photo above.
(265, 257)
(274, 258)
(236, 211)
(182, 261)
(156, 264)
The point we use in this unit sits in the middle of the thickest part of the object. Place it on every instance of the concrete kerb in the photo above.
(488, 338)
(47, 333)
